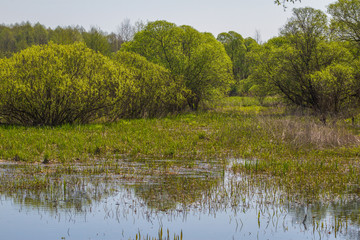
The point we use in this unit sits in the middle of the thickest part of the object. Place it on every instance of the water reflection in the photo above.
(200, 201)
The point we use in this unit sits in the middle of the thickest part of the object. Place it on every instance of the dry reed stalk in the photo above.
(307, 132)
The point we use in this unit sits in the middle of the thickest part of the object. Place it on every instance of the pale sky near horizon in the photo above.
(243, 16)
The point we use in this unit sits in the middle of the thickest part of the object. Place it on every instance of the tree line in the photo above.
(66, 75)
(17, 37)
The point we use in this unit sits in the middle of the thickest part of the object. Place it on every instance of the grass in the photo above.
(309, 161)
(191, 136)
(161, 236)
(306, 132)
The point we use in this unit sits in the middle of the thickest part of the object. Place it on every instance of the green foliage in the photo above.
(335, 85)
(306, 68)
(238, 49)
(17, 37)
(7, 42)
(193, 56)
(67, 35)
(346, 20)
(55, 84)
(97, 40)
(257, 83)
(40, 34)
(152, 90)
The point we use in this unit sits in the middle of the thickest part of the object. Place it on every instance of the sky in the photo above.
(243, 16)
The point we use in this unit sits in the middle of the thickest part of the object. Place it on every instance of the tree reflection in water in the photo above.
(157, 194)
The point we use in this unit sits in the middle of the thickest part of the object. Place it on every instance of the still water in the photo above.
(204, 201)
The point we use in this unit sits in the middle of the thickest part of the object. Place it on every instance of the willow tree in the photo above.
(308, 69)
(197, 58)
(56, 84)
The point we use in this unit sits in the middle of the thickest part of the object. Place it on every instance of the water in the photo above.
(205, 201)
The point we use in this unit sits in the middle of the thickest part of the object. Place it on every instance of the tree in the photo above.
(97, 40)
(261, 67)
(307, 69)
(24, 35)
(114, 41)
(7, 42)
(67, 35)
(346, 20)
(236, 49)
(196, 57)
(126, 31)
(40, 34)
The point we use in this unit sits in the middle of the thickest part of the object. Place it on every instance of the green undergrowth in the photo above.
(274, 144)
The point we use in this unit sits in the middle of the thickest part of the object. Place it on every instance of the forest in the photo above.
(70, 75)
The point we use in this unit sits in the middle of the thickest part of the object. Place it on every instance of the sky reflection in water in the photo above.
(200, 204)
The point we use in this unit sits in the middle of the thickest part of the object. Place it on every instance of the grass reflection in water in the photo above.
(167, 194)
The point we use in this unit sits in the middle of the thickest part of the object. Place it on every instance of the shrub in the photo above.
(55, 84)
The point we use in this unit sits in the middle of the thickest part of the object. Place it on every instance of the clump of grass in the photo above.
(161, 236)
(307, 132)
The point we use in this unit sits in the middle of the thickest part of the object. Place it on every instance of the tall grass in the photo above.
(308, 132)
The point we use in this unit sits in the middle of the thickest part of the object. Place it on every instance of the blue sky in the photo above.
(243, 16)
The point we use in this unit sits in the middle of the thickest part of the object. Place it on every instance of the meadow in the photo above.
(306, 159)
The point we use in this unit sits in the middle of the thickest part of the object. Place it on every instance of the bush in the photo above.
(56, 84)
(152, 91)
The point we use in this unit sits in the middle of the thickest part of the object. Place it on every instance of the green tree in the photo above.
(40, 34)
(306, 68)
(97, 40)
(346, 20)
(262, 66)
(236, 50)
(114, 41)
(67, 35)
(55, 84)
(7, 42)
(239, 50)
(196, 57)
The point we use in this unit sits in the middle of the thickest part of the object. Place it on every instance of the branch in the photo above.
(283, 2)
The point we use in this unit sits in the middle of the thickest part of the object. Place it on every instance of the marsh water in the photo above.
(162, 200)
